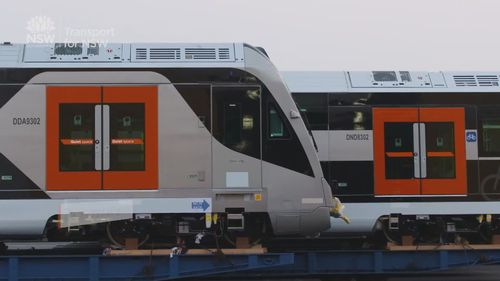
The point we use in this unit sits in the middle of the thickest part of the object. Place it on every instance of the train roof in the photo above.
(126, 55)
(391, 81)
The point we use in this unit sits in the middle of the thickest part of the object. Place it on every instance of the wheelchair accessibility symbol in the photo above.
(471, 136)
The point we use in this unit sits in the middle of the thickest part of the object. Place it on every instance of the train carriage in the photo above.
(186, 136)
(407, 149)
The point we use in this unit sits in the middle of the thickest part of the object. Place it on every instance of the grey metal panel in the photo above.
(423, 152)
(98, 77)
(184, 148)
(105, 138)
(439, 82)
(367, 79)
(45, 53)
(10, 54)
(42, 56)
(315, 81)
(24, 145)
(226, 161)
(471, 149)
(98, 137)
(416, 150)
(350, 145)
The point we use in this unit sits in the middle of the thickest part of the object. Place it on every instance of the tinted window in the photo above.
(315, 106)
(236, 118)
(76, 139)
(489, 131)
(277, 128)
(350, 118)
(282, 146)
(198, 98)
(127, 132)
(348, 99)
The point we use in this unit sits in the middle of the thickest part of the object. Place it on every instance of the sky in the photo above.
(297, 35)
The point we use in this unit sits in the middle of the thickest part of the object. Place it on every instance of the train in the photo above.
(132, 140)
(409, 153)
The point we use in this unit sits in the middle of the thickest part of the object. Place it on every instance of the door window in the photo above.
(76, 146)
(236, 118)
(399, 150)
(127, 133)
(440, 149)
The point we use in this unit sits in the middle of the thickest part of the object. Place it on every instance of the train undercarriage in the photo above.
(167, 230)
(437, 229)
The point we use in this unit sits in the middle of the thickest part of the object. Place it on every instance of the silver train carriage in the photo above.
(406, 150)
(190, 136)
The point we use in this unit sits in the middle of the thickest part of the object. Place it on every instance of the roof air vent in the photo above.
(165, 53)
(141, 53)
(465, 80)
(487, 80)
(200, 53)
(224, 54)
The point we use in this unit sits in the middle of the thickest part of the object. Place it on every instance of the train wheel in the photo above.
(119, 231)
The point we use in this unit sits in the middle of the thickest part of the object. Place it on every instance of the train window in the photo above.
(350, 118)
(127, 133)
(399, 145)
(277, 129)
(198, 98)
(315, 106)
(282, 146)
(76, 137)
(236, 118)
(440, 147)
(335, 99)
(489, 132)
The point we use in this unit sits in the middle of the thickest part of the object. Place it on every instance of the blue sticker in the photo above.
(471, 136)
(200, 205)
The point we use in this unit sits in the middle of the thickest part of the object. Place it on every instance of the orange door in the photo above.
(72, 138)
(102, 138)
(419, 151)
(130, 140)
(443, 151)
(395, 154)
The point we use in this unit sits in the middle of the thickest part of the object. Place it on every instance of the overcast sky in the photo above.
(298, 35)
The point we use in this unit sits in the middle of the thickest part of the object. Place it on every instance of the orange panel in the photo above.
(440, 154)
(399, 154)
(56, 179)
(147, 179)
(457, 185)
(385, 186)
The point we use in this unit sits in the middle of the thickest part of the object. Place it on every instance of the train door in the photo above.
(102, 138)
(236, 115)
(419, 151)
